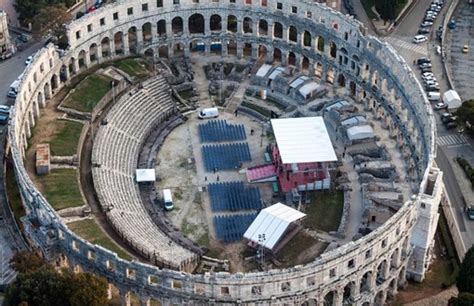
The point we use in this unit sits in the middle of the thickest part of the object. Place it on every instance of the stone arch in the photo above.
(277, 55)
(63, 73)
(330, 75)
(332, 49)
(262, 27)
(161, 27)
(318, 70)
(47, 91)
(177, 25)
(196, 24)
(262, 51)
(247, 25)
(278, 30)
(178, 49)
(132, 39)
(82, 59)
(72, 65)
(341, 80)
(352, 88)
(163, 51)
(216, 47)
(231, 47)
(40, 99)
(215, 23)
(320, 44)
(118, 42)
(292, 34)
(366, 282)
(395, 258)
(330, 298)
(291, 58)
(147, 33)
(247, 51)
(381, 272)
(93, 53)
(54, 82)
(197, 46)
(232, 24)
(379, 299)
(306, 39)
(105, 47)
(149, 52)
(405, 247)
(310, 302)
(349, 293)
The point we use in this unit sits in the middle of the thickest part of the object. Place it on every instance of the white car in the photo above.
(427, 74)
(418, 39)
(440, 105)
(4, 109)
(426, 23)
(28, 60)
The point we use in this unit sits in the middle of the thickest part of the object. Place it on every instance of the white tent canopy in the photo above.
(452, 99)
(145, 175)
(303, 140)
(272, 222)
(262, 71)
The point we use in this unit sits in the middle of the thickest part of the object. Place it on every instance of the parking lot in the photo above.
(462, 64)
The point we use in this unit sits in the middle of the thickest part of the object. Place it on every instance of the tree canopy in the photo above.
(389, 9)
(38, 283)
(28, 9)
(465, 115)
(465, 280)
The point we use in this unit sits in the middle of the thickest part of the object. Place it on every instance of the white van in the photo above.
(13, 89)
(433, 96)
(419, 39)
(167, 199)
(207, 113)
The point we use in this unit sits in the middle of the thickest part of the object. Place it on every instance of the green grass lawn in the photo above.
(65, 141)
(89, 230)
(61, 188)
(291, 252)
(88, 93)
(325, 211)
(259, 109)
(134, 67)
(13, 194)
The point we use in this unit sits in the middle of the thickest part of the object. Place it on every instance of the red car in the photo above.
(91, 9)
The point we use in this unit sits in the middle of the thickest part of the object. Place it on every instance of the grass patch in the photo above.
(89, 230)
(134, 67)
(325, 211)
(13, 194)
(186, 94)
(291, 252)
(259, 109)
(368, 4)
(61, 188)
(88, 93)
(64, 142)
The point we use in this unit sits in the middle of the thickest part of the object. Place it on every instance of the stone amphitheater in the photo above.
(302, 34)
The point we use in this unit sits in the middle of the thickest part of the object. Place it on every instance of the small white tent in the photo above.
(452, 99)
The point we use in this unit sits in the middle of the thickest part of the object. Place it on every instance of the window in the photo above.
(368, 254)
(351, 264)
(115, 16)
(423, 205)
(130, 11)
(159, 3)
(145, 7)
(264, 3)
(41, 68)
(279, 6)
(248, 2)
(89, 28)
(232, 1)
(332, 272)
(176, 284)
(294, 9)
(384, 243)
(176, 2)
(131, 273)
(346, 36)
(102, 21)
(309, 14)
(195, 1)
(78, 34)
(225, 291)
(153, 280)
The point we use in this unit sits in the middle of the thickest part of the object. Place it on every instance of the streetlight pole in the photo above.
(261, 241)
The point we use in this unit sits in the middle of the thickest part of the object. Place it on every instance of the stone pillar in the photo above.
(31, 118)
(36, 110)
(154, 32)
(112, 47)
(240, 49)
(224, 25)
(311, 68)
(254, 50)
(126, 45)
(139, 40)
(66, 73)
(270, 25)
(284, 57)
(109, 291)
(145, 301)
(168, 28)
(285, 34)
(47, 92)
(125, 298)
(255, 30)
(339, 296)
(87, 59)
(99, 53)
(207, 26)
(269, 56)
(28, 129)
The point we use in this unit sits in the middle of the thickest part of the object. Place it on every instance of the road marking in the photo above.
(452, 140)
(395, 42)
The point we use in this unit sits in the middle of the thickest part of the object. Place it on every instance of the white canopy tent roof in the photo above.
(272, 222)
(263, 70)
(309, 88)
(303, 140)
(276, 72)
(452, 99)
(145, 175)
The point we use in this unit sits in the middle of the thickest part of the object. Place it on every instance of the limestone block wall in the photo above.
(306, 36)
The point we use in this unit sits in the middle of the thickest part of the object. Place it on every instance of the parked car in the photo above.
(451, 125)
(427, 74)
(418, 39)
(23, 37)
(440, 106)
(424, 31)
(446, 117)
(428, 69)
(425, 65)
(432, 88)
(426, 23)
(465, 49)
(29, 60)
(422, 60)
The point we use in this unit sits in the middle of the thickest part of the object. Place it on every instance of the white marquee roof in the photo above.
(263, 70)
(272, 222)
(303, 140)
(145, 175)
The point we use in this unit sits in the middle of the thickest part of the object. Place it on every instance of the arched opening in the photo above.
(216, 23)
(178, 50)
(305, 63)
(93, 52)
(161, 27)
(54, 82)
(163, 52)
(47, 91)
(263, 27)
(216, 47)
(247, 25)
(330, 76)
(352, 88)
(40, 99)
(132, 40)
(292, 34)
(247, 49)
(318, 70)
(71, 66)
(379, 299)
(306, 39)
(63, 73)
(291, 59)
(232, 24)
(105, 47)
(329, 299)
(392, 287)
(310, 302)
(147, 33)
(196, 24)
(177, 25)
(394, 259)
(277, 30)
(366, 282)
(401, 276)
(118, 42)
(276, 55)
(341, 80)
(149, 53)
(232, 47)
(320, 44)
(333, 49)
(381, 272)
(197, 46)
(82, 59)
(348, 294)
(262, 51)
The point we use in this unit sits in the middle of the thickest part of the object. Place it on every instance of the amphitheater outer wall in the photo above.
(373, 266)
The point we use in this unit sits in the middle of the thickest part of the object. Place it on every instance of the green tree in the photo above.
(465, 280)
(465, 116)
(463, 299)
(389, 9)
(51, 21)
(25, 261)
